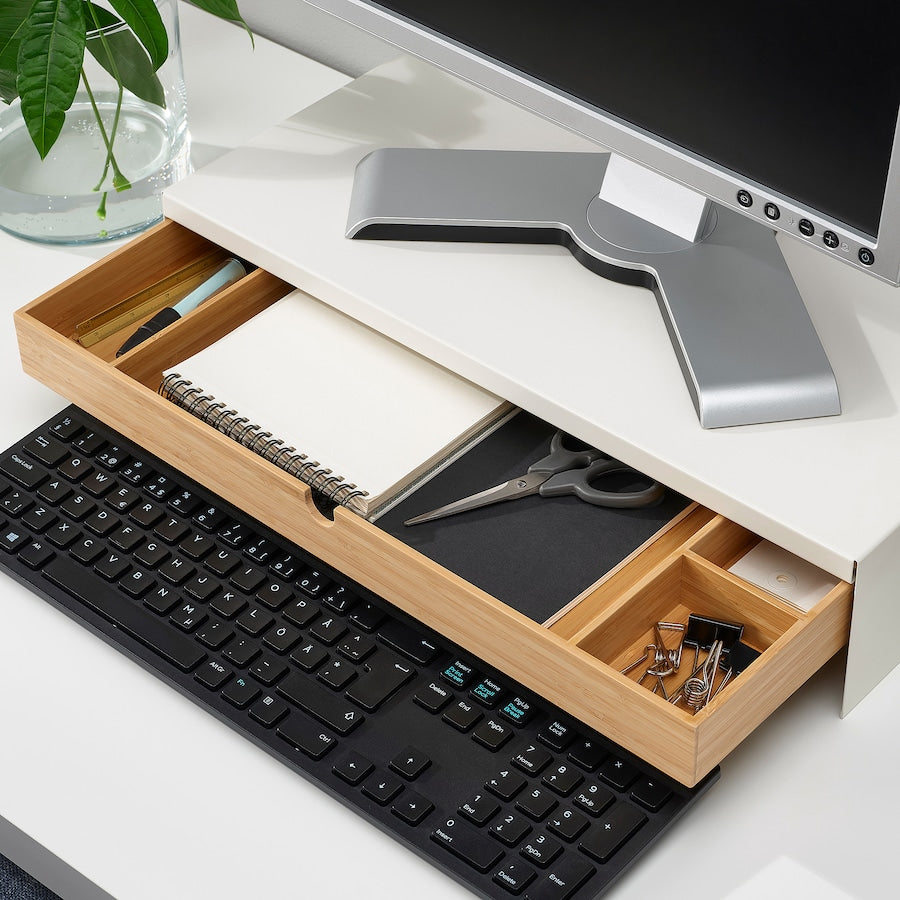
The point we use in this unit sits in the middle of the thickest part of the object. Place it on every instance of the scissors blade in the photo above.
(523, 486)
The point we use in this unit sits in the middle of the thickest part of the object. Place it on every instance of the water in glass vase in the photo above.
(69, 197)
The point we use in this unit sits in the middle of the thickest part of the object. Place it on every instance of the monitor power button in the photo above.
(866, 256)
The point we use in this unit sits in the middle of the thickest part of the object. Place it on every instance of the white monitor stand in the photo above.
(747, 348)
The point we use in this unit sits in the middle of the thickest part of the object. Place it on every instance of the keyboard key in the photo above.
(178, 649)
(98, 483)
(458, 673)
(268, 710)
(36, 553)
(433, 697)
(650, 793)
(339, 599)
(22, 470)
(510, 829)
(209, 518)
(612, 831)
(47, 450)
(66, 428)
(188, 617)
(248, 578)
(532, 759)
(242, 652)
(312, 582)
(382, 787)
(562, 881)
(492, 734)
(281, 638)
(353, 768)
(73, 469)
(593, 799)
(321, 703)
(408, 642)
(367, 616)
(380, 678)
(462, 715)
(241, 692)
(214, 635)
(410, 763)
(480, 809)
(309, 656)
(255, 620)
(212, 674)
(567, 824)
(618, 773)
(514, 876)
(563, 779)
(337, 674)
(541, 849)
(506, 784)
(329, 630)
(558, 735)
(223, 562)
(12, 538)
(519, 710)
(301, 612)
(537, 803)
(412, 808)
(306, 736)
(487, 692)
(39, 519)
(587, 753)
(471, 846)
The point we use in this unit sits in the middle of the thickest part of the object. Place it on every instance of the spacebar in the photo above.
(139, 623)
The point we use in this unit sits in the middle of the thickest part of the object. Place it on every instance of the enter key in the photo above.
(381, 676)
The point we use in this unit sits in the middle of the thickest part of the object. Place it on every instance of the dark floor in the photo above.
(17, 885)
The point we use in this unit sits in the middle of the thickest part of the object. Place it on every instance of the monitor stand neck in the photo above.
(747, 348)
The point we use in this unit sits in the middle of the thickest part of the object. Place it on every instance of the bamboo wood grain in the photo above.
(573, 664)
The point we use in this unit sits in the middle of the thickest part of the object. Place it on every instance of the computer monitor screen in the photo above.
(783, 94)
(780, 114)
(786, 111)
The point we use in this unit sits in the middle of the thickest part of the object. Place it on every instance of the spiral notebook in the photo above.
(357, 416)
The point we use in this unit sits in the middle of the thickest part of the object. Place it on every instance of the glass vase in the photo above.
(69, 197)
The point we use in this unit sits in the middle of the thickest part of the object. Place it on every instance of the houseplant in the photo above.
(95, 125)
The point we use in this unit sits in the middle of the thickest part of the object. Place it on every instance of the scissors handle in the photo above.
(567, 453)
(579, 483)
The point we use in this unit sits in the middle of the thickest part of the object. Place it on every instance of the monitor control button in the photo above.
(866, 256)
(831, 239)
(807, 229)
(745, 198)
(772, 211)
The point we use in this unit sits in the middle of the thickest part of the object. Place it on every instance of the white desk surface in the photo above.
(150, 798)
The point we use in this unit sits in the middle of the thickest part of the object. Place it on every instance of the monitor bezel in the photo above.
(719, 184)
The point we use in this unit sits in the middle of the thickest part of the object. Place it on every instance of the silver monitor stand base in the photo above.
(743, 337)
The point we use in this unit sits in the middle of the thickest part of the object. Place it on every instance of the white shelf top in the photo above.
(605, 370)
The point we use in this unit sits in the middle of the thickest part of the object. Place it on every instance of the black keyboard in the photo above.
(492, 784)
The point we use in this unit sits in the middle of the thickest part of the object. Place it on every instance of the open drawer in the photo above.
(577, 661)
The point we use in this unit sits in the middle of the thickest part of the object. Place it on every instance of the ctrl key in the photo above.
(469, 845)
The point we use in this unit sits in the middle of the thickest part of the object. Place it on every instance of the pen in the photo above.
(227, 274)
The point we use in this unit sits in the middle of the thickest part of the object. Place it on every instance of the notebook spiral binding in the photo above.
(241, 430)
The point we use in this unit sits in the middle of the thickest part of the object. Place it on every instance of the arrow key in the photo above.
(411, 763)
(382, 787)
(353, 768)
(412, 808)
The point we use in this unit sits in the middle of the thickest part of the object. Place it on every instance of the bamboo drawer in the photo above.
(577, 661)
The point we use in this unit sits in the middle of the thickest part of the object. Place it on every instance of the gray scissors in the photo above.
(570, 468)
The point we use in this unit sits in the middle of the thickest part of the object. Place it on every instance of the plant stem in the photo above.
(120, 182)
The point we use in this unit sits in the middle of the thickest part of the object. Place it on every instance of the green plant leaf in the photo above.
(13, 15)
(144, 20)
(224, 9)
(8, 91)
(122, 55)
(49, 66)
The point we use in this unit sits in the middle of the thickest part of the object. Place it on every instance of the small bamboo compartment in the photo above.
(574, 661)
